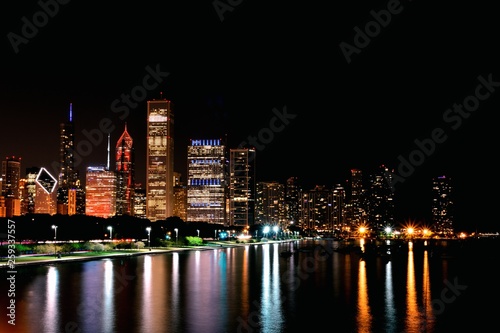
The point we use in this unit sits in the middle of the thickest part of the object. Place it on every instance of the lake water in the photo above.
(438, 286)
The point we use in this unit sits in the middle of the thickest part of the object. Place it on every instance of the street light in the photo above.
(110, 233)
(55, 237)
(176, 235)
(275, 229)
(149, 236)
(198, 231)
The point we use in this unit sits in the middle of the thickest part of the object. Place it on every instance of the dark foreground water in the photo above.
(443, 286)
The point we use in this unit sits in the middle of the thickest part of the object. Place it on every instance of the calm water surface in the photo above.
(420, 287)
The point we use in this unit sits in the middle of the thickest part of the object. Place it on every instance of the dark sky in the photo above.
(227, 76)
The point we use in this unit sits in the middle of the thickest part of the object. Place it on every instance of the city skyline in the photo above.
(234, 76)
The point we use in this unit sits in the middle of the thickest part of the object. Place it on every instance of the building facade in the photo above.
(442, 206)
(125, 174)
(100, 192)
(242, 187)
(207, 181)
(160, 160)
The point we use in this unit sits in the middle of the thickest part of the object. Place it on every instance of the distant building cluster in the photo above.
(220, 187)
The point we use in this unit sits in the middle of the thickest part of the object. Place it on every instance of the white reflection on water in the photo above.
(390, 309)
(51, 322)
(146, 292)
(271, 316)
(108, 297)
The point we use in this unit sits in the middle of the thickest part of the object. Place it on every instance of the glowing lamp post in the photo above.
(55, 237)
(275, 229)
(176, 235)
(198, 231)
(149, 236)
(110, 233)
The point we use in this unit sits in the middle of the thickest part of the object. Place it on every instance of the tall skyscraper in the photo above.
(442, 206)
(270, 204)
(46, 193)
(318, 211)
(11, 176)
(242, 187)
(100, 192)
(160, 160)
(293, 194)
(381, 200)
(180, 197)
(207, 183)
(68, 175)
(29, 193)
(125, 169)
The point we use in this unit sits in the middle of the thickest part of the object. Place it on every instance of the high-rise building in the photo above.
(100, 192)
(270, 204)
(46, 193)
(180, 197)
(206, 183)
(160, 160)
(11, 175)
(380, 200)
(442, 206)
(356, 198)
(318, 211)
(242, 187)
(139, 202)
(29, 193)
(68, 175)
(125, 174)
(293, 192)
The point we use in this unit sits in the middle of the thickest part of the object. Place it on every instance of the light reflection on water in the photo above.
(243, 289)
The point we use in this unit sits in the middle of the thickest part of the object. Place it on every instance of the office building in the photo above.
(442, 206)
(160, 160)
(46, 193)
(100, 191)
(242, 187)
(206, 182)
(125, 174)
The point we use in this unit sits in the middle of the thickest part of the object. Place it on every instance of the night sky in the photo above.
(351, 99)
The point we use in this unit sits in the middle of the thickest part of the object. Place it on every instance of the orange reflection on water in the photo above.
(412, 314)
(427, 298)
(364, 317)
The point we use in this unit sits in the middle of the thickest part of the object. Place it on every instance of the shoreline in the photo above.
(69, 258)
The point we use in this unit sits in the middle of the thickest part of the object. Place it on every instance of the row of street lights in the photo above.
(110, 228)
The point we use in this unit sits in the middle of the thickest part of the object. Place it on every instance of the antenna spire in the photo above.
(70, 112)
(107, 165)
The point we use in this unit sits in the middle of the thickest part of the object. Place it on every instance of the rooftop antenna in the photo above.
(107, 165)
(70, 112)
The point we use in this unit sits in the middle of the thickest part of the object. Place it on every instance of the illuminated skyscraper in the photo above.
(11, 175)
(46, 193)
(160, 160)
(29, 193)
(68, 175)
(206, 189)
(293, 194)
(442, 206)
(125, 175)
(180, 197)
(270, 204)
(100, 192)
(242, 187)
